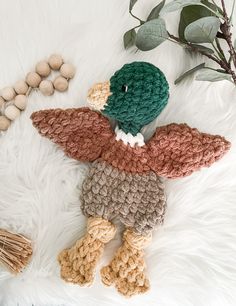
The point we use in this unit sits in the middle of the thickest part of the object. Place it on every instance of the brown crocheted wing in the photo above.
(177, 150)
(82, 133)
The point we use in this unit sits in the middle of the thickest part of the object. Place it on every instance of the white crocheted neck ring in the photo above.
(129, 139)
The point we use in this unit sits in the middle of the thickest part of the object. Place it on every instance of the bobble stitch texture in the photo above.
(126, 270)
(78, 263)
(146, 96)
(123, 181)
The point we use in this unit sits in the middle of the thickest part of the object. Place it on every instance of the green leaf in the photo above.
(200, 47)
(189, 72)
(235, 44)
(151, 34)
(156, 11)
(212, 6)
(212, 75)
(131, 4)
(190, 14)
(129, 38)
(203, 30)
(179, 4)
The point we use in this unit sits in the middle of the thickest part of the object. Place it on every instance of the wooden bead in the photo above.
(12, 112)
(8, 93)
(60, 84)
(2, 102)
(67, 71)
(46, 88)
(33, 79)
(43, 69)
(21, 87)
(20, 101)
(4, 123)
(55, 61)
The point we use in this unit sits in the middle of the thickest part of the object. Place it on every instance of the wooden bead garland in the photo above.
(12, 112)
(21, 87)
(13, 100)
(60, 84)
(33, 79)
(2, 102)
(43, 69)
(4, 123)
(46, 87)
(55, 61)
(67, 71)
(8, 93)
(20, 102)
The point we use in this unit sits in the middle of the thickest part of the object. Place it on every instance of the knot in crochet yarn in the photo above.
(137, 241)
(101, 229)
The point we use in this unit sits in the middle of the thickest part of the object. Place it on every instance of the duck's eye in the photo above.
(124, 88)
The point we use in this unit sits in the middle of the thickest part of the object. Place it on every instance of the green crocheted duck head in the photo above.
(134, 96)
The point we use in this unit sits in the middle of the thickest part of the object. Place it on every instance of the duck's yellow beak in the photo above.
(98, 95)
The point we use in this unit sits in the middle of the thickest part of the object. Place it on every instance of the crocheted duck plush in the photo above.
(124, 178)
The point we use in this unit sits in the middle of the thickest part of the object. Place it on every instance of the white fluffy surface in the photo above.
(191, 261)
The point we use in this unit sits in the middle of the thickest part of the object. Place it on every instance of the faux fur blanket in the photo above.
(191, 261)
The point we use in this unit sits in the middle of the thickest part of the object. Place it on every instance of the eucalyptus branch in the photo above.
(220, 56)
(194, 48)
(220, 49)
(196, 28)
(223, 64)
(214, 12)
(140, 20)
(226, 30)
(231, 16)
(214, 2)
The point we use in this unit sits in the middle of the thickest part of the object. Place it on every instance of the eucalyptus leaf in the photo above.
(189, 72)
(212, 75)
(190, 14)
(212, 6)
(203, 30)
(156, 11)
(179, 4)
(129, 38)
(131, 4)
(235, 44)
(151, 34)
(201, 48)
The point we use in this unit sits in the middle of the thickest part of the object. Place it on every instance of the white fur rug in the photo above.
(191, 261)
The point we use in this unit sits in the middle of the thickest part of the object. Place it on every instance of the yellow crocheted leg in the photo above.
(126, 270)
(79, 262)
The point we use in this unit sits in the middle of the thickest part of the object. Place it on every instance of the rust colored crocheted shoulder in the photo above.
(81, 133)
(177, 150)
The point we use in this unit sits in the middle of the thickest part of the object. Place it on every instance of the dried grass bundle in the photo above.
(15, 250)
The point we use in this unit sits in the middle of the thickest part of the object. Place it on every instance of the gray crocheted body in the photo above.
(137, 200)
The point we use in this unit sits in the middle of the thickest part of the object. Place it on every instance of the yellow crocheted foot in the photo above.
(78, 264)
(127, 269)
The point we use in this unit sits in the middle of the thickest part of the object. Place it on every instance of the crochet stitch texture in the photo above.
(124, 181)
(139, 90)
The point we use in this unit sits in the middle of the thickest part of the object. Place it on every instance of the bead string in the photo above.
(13, 100)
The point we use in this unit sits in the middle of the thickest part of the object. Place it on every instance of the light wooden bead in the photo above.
(43, 69)
(4, 123)
(60, 84)
(33, 79)
(12, 112)
(21, 87)
(55, 61)
(8, 93)
(46, 88)
(67, 71)
(2, 102)
(20, 101)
